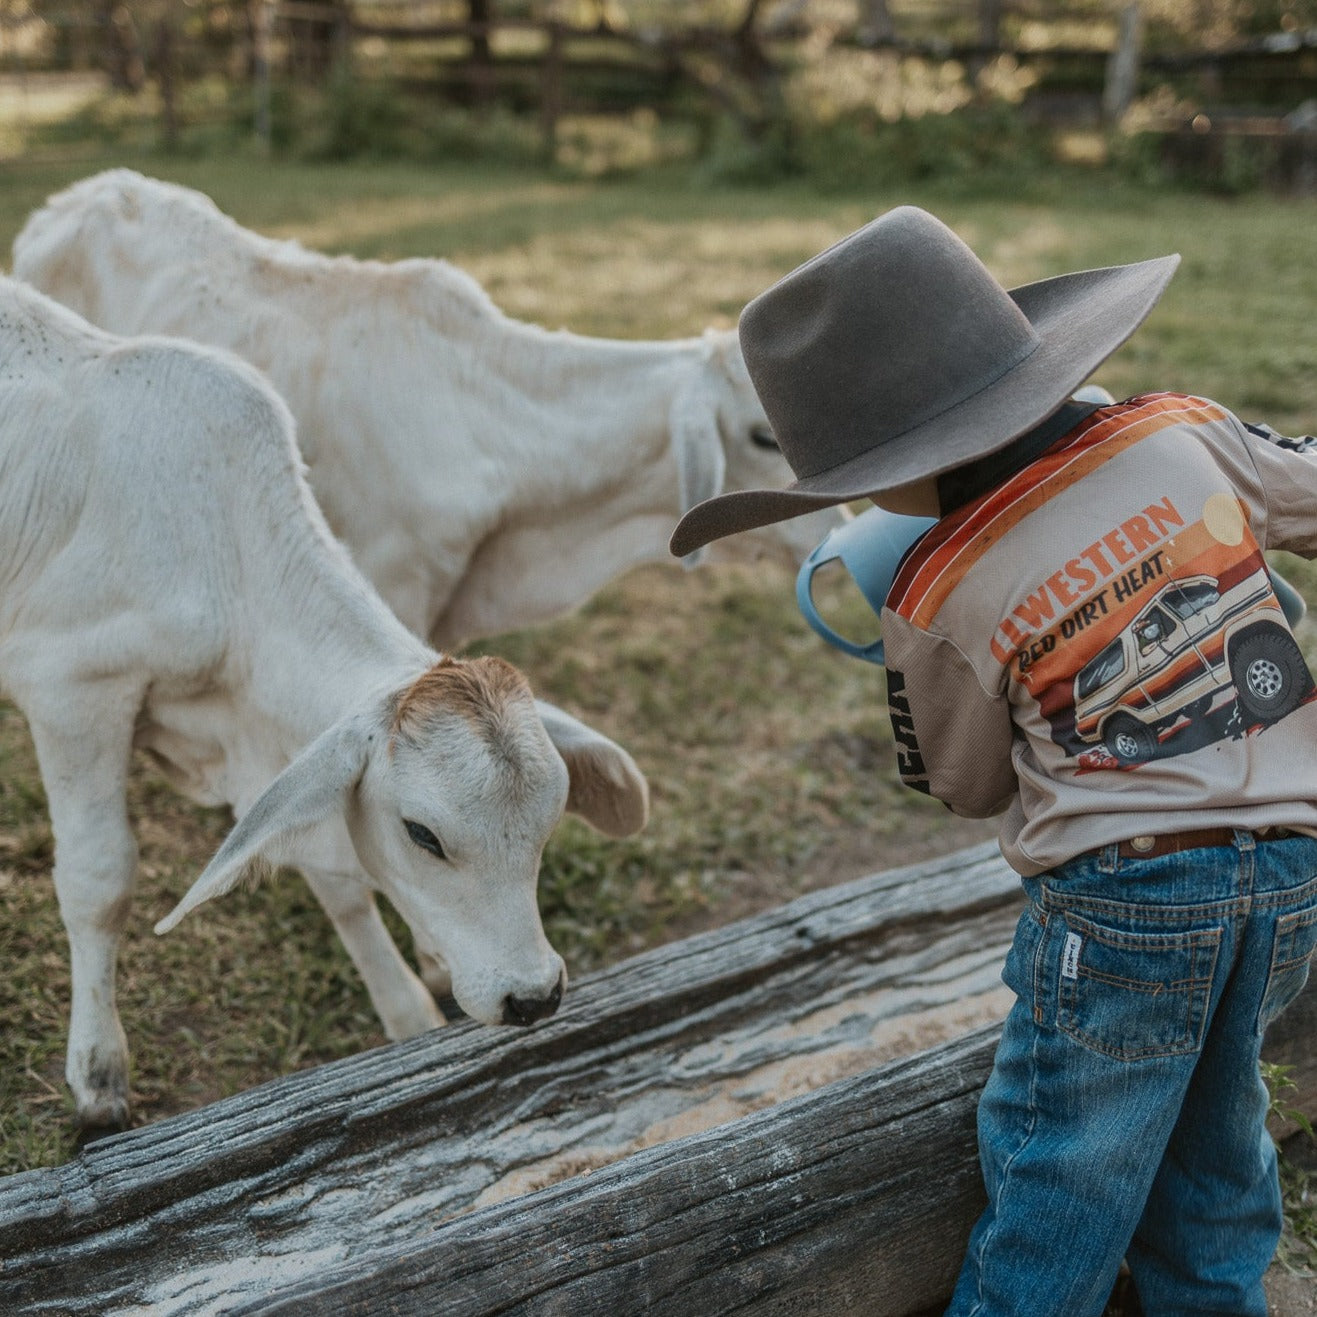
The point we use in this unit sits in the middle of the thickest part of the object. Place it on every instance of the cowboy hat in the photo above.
(895, 355)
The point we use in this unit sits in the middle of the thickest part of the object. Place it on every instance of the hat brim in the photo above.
(1080, 320)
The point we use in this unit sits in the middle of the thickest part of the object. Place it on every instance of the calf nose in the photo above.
(526, 1010)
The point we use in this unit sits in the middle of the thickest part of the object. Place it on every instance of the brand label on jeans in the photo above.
(1070, 956)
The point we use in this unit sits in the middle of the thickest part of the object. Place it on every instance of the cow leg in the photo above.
(401, 1000)
(435, 974)
(84, 753)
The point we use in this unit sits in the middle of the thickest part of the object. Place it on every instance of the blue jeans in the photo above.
(1125, 1117)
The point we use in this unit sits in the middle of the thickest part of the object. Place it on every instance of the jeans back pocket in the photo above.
(1134, 995)
(1296, 938)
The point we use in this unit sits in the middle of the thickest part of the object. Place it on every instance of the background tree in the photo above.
(120, 45)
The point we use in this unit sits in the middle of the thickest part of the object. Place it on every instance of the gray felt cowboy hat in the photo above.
(895, 355)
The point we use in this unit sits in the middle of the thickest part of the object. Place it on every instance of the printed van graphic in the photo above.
(1185, 646)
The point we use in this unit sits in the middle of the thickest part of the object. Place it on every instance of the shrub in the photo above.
(360, 117)
(732, 157)
(861, 150)
(970, 142)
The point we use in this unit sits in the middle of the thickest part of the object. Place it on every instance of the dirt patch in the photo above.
(853, 854)
(1289, 1295)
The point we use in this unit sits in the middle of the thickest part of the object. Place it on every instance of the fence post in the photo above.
(165, 70)
(341, 41)
(481, 18)
(262, 20)
(551, 91)
(990, 16)
(1123, 66)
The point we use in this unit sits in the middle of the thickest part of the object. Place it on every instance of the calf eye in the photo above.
(762, 437)
(424, 838)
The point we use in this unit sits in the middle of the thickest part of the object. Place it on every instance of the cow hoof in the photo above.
(100, 1093)
(108, 1114)
(88, 1134)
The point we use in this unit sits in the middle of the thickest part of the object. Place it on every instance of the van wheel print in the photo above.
(1129, 740)
(1270, 675)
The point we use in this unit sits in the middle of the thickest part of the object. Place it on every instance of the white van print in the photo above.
(1195, 648)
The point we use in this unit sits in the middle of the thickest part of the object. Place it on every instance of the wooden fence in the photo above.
(738, 70)
(551, 68)
(774, 1117)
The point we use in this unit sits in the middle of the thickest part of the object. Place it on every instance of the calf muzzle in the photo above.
(526, 1010)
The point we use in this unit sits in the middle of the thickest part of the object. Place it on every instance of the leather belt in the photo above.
(1167, 843)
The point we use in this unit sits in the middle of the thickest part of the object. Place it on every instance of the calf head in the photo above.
(723, 441)
(449, 788)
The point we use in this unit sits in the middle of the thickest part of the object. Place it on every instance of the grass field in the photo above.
(768, 755)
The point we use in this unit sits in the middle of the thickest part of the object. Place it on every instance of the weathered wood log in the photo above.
(419, 1163)
(854, 1199)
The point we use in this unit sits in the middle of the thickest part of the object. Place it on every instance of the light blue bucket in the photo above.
(871, 548)
(1291, 601)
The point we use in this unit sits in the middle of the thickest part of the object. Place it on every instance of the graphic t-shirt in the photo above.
(1094, 646)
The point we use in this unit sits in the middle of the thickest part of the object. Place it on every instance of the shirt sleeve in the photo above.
(1287, 471)
(953, 738)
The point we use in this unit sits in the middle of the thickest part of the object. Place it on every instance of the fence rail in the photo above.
(563, 66)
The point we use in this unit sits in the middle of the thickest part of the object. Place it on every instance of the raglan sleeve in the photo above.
(1287, 473)
(953, 738)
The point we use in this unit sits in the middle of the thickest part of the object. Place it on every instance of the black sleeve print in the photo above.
(1304, 444)
(908, 758)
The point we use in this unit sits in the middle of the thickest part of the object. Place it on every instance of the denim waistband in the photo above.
(1253, 865)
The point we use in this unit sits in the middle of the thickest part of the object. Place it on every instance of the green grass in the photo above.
(769, 756)
(1297, 1156)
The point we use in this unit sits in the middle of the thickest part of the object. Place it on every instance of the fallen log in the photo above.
(857, 1198)
(675, 1133)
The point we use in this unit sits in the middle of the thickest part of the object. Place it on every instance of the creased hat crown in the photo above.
(895, 356)
(891, 326)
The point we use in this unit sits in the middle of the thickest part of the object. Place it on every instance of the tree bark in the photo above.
(1122, 79)
(121, 50)
(990, 17)
(875, 24)
(481, 15)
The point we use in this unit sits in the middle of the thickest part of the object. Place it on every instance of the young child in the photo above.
(1085, 644)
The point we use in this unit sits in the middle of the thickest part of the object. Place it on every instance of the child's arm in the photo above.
(953, 738)
(1287, 473)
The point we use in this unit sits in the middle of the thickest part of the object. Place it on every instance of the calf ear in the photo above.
(607, 789)
(701, 462)
(313, 787)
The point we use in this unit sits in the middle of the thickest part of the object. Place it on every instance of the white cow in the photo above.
(168, 582)
(485, 473)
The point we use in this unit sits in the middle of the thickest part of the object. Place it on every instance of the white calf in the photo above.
(486, 474)
(169, 583)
